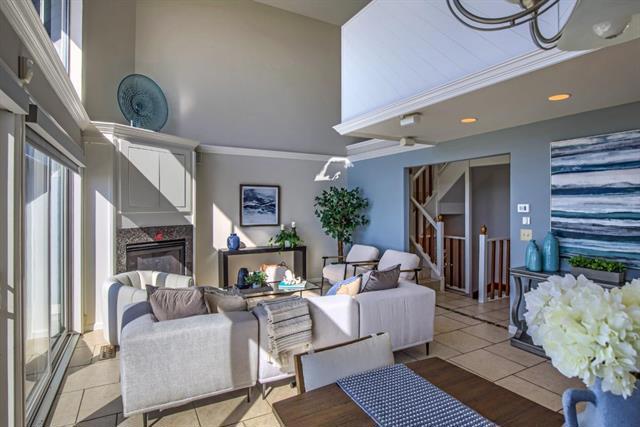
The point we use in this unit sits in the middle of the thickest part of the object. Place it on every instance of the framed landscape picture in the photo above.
(259, 205)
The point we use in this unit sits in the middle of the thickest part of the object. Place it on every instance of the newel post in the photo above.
(482, 265)
(440, 249)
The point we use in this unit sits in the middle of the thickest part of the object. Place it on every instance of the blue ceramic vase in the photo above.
(550, 253)
(533, 260)
(604, 408)
(233, 242)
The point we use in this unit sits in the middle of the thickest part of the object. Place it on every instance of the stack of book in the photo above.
(292, 286)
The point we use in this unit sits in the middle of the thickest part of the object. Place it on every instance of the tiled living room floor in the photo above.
(90, 395)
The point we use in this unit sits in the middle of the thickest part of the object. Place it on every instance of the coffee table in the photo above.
(330, 406)
(273, 289)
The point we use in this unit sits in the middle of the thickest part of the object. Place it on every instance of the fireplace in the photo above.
(167, 256)
(167, 248)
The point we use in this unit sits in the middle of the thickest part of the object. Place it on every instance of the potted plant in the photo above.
(256, 279)
(594, 334)
(339, 211)
(286, 238)
(598, 269)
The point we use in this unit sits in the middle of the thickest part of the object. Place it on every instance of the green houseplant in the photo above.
(256, 279)
(287, 237)
(340, 213)
(598, 269)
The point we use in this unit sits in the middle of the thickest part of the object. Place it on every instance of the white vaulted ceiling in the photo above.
(335, 12)
(395, 49)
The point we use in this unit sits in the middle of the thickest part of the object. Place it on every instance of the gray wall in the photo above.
(108, 55)
(235, 72)
(217, 208)
(383, 179)
(489, 206)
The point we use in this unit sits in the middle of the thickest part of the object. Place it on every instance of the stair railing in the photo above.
(494, 260)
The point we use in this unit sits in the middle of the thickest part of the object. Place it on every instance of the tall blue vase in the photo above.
(604, 408)
(233, 242)
(533, 260)
(550, 253)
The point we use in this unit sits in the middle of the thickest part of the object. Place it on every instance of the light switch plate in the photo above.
(526, 220)
(526, 234)
(523, 207)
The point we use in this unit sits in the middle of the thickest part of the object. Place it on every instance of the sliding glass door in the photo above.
(46, 269)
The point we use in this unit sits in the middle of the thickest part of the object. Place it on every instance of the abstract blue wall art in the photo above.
(259, 205)
(595, 196)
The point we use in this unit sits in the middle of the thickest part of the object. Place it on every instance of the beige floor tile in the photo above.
(506, 350)
(475, 309)
(495, 316)
(488, 332)
(403, 357)
(487, 364)
(223, 410)
(94, 338)
(100, 401)
(461, 341)
(65, 409)
(108, 421)
(532, 392)
(445, 324)
(96, 374)
(546, 376)
(462, 318)
(83, 354)
(279, 393)
(454, 304)
(436, 349)
(184, 416)
(263, 421)
(440, 310)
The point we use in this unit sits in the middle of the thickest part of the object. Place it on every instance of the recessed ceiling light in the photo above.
(469, 120)
(559, 97)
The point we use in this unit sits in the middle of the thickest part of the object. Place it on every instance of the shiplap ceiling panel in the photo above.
(394, 49)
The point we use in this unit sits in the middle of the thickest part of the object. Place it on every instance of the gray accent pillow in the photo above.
(221, 301)
(379, 280)
(176, 303)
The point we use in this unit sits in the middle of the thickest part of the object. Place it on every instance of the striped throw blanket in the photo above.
(288, 328)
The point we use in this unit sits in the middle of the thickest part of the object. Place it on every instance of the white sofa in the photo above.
(407, 313)
(170, 363)
(126, 288)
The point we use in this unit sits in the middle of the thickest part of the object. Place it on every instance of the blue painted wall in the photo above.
(383, 181)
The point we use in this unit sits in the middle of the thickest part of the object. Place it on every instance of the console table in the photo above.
(524, 280)
(299, 260)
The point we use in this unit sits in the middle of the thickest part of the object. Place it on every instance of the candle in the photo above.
(293, 224)
(282, 227)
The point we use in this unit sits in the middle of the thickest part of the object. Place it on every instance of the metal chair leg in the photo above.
(145, 417)
(427, 348)
(264, 391)
(249, 395)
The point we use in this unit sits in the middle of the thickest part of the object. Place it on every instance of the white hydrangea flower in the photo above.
(588, 332)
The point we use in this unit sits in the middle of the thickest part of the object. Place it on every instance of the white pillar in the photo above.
(440, 251)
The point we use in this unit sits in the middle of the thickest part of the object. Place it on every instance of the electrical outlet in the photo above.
(526, 234)
(523, 207)
(526, 220)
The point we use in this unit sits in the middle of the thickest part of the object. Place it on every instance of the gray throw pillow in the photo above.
(221, 301)
(379, 280)
(172, 303)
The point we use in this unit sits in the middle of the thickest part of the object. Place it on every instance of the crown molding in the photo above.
(516, 67)
(374, 148)
(26, 23)
(117, 130)
(255, 152)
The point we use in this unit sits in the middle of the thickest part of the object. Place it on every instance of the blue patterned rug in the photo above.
(397, 396)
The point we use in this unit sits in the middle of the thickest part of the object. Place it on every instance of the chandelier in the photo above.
(530, 14)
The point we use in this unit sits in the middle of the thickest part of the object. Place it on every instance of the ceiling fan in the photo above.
(591, 24)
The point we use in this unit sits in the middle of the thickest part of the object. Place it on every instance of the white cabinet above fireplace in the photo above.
(154, 176)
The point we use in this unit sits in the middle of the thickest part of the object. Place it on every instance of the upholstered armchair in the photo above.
(409, 264)
(338, 266)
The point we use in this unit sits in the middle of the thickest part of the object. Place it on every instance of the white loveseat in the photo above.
(407, 313)
(126, 288)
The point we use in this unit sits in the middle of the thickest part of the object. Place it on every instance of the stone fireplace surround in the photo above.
(125, 236)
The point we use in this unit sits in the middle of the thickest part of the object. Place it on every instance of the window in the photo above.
(55, 16)
(46, 269)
